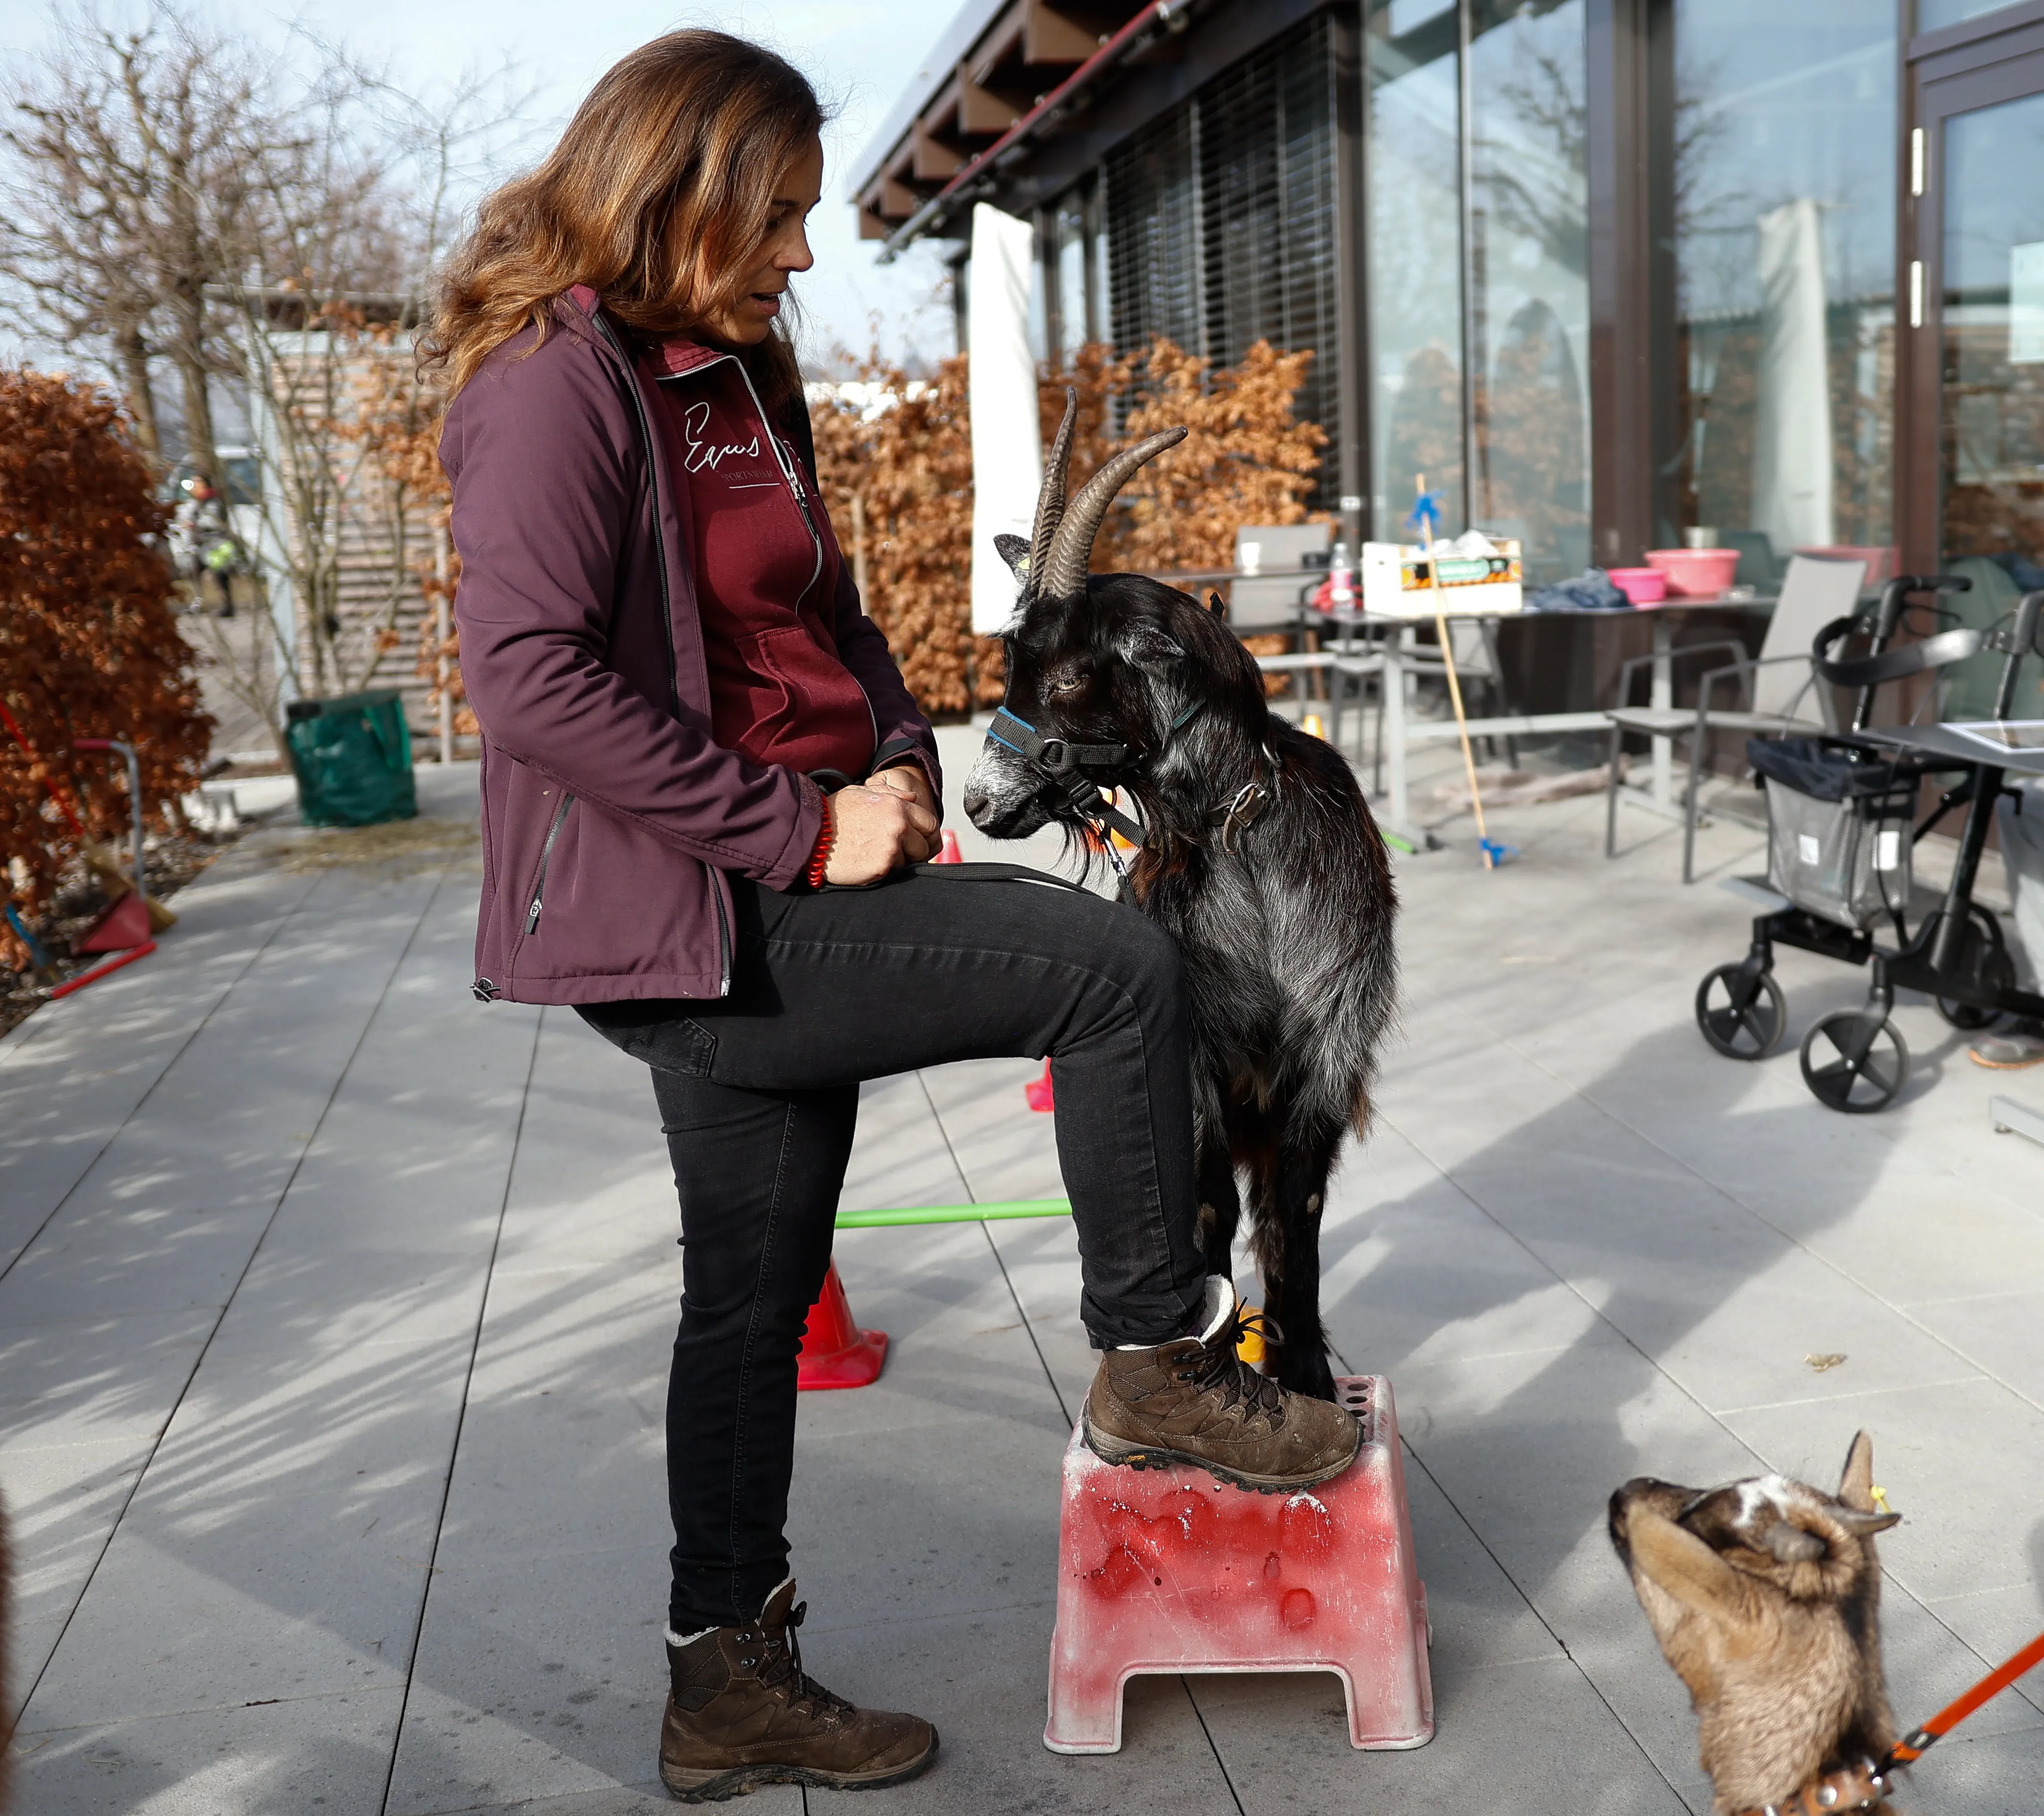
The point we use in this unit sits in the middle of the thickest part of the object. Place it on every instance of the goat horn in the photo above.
(1051, 500)
(1064, 571)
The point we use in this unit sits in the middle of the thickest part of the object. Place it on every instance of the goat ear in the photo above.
(1856, 1481)
(1679, 1563)
(1015, 551)
(1791, 1544)
(1215, 606)
(1147, 647)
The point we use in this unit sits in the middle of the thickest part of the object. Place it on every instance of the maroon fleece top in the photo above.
(767, 573)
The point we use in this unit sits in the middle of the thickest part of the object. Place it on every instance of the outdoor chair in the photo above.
(1267, 603)
(1261, 603)
(1781, 688)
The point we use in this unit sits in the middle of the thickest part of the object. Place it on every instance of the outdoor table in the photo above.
(1390, 658)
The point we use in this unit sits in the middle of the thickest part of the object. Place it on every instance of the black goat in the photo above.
(1258, 855)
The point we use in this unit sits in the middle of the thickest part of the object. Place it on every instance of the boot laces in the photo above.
(782, 1664)
(1216, 1364)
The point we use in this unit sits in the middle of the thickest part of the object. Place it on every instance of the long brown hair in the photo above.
(656, 197)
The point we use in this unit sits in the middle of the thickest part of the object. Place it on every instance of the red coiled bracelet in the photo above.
(819, 858)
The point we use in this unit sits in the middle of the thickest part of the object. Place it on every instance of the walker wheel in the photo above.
(1747, 1030)
(1854, 1062)
(1987, 957)
(1968, 1016)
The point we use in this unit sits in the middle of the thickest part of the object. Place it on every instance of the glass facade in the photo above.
(1220, 219)
(1991, 416)
(1414, 203)
(1478, 237)
(1623, 273)
(1528, 233)
(1783, 144)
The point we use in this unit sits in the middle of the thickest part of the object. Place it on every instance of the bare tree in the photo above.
(175, 202)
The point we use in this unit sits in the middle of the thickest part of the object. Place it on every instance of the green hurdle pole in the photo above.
(954, 1213)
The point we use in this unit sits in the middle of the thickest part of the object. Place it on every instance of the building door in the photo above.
(1972, 463)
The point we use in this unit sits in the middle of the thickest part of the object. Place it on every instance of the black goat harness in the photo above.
(1065, 766)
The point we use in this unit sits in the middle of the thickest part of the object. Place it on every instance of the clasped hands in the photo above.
(888, 820)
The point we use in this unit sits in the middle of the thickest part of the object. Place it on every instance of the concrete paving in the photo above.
(335, 1312)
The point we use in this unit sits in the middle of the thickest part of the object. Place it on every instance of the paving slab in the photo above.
(1583, 1245)
(294, 1753)
(73, 1072)
(63, 1501)
(218, 1608)
(540, 1677)
(232, 1115)
(92, 1379)
(980, 1678)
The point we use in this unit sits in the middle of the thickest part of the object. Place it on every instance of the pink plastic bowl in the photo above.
(1695, 573)
(1642, 586)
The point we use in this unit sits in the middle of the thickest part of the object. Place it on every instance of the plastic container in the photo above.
(353, 756)
(1642, 586)
(1695, 573)
(1164, 1570)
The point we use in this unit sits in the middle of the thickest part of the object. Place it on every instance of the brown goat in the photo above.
(1766, 1597)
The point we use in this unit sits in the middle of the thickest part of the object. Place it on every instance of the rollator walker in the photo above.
(1839, 840)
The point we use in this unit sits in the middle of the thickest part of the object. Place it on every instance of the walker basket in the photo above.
(1838, 831)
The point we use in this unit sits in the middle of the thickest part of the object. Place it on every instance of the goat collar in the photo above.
(1065, 764)
(1833, 1793)
(1242, 808)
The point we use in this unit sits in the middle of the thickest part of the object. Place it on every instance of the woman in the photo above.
(705, 796)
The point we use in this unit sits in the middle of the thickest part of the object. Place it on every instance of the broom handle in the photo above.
(1455, 690)
(1462, 725)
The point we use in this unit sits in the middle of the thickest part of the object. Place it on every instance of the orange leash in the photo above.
(1913, 1747)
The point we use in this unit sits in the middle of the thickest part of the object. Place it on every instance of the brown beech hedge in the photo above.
(89, 644)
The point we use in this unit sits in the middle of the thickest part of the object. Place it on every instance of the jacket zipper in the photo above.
(666, 629)
(788, 473)
(545, 857)
(723, 943)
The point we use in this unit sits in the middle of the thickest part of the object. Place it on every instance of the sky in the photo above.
(860, 54)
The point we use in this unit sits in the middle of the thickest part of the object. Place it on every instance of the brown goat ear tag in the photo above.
(1681, 1565)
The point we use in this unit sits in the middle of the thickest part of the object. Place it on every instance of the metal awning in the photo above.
(1004, 73)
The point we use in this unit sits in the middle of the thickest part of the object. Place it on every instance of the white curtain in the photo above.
(1007, 442)
(1792, 442)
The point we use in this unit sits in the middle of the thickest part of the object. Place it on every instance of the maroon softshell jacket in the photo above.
(610, 817)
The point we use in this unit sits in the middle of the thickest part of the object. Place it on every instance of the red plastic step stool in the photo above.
(1167, 1570)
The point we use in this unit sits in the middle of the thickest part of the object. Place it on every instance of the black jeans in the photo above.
(758, 1094)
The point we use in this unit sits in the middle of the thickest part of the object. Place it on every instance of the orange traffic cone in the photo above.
(950, 853)
(835, 1353)
(1038, 1091)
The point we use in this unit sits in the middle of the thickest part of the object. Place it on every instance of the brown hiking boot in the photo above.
(1194, 1403)
(741, 1714)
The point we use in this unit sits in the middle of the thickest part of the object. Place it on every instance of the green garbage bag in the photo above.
(353, 756)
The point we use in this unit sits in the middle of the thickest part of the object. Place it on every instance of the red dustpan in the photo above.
(835, 1353)
(124, 925)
